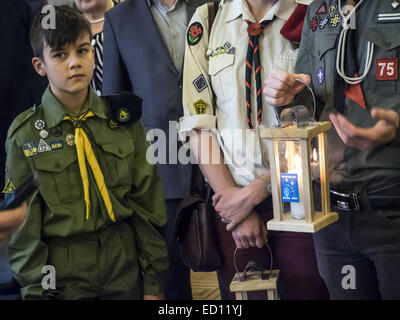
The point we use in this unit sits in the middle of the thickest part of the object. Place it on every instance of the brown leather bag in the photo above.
(194, 227)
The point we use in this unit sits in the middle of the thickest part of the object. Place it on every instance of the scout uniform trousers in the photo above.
(101, 265)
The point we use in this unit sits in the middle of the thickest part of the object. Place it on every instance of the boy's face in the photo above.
(70, 69)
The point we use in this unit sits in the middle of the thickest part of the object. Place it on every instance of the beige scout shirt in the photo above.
(244, 152)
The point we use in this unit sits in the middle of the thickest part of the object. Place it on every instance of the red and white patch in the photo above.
(387, 69)
(322, 9)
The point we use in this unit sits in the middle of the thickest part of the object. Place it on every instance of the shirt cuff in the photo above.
(200, 121)
(153, 284)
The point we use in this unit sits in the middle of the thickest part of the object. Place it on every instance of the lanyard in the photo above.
(342, 49)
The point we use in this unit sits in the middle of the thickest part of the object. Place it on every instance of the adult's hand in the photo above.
(382, 133)
(252, 232)
(281, 87)
(10, 221)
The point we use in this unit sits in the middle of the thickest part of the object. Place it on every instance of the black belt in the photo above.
(357, 201)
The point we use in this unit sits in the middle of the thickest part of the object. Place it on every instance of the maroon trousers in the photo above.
(293, 254)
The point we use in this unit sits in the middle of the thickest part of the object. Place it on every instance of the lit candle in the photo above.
(315, 165)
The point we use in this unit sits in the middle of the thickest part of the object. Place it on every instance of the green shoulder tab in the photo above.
(21, 119)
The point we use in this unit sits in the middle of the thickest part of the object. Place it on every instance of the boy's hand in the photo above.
(383, 132)
(161, 296)
(10, 221)
(281, 87)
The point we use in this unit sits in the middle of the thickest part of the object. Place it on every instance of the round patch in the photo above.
(321, 75)
(123, 115)
(56, 131)
(43, 134)
(40, 124)
(113, 124)
(70, 139)
(195, 33)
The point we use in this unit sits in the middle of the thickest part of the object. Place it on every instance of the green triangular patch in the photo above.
(9, 188)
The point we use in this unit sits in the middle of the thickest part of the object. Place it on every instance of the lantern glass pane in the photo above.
(290, 177)
(315, 167)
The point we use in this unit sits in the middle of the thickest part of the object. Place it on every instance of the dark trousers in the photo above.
(369, 242)
(177, 277)
(293, 255)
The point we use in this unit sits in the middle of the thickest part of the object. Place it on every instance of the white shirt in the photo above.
(244, 152)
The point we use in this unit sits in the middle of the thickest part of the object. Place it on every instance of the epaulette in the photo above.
(124, 108)
(21, 119)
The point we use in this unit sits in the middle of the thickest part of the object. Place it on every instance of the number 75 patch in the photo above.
(387, 69)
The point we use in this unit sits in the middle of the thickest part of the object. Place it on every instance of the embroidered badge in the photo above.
(388, 17)
(40, 124)
(321, 75)
(200, 83)
(322, 9)
(395, 4)
(123, 115)
(56, 131)
(335, 20)
(70, 139)
(43, 146)
(314, 23)
(387, 69)
(195, 33)
(30, 149)
(200, 106)
(57, 145)
(227, 45)
(10, 187)
(332, 9)
(113, 124)
(323, 22)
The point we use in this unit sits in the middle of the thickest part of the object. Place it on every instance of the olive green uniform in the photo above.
(366, 238)
(94, 257)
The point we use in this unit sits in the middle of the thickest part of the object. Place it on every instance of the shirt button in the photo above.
(337, 168)
(98, 93)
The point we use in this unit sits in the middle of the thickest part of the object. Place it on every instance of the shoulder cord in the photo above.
(342, 46)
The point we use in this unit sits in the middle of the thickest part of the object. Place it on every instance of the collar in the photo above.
(281, 9)
(151, 3)
(54, 111)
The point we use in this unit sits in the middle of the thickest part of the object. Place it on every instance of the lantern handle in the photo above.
(270, 254)
(313, 96)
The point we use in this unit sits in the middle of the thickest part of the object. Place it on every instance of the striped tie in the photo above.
(253, 54)
(85, 153)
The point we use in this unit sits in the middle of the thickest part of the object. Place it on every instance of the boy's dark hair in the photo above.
(70, 24)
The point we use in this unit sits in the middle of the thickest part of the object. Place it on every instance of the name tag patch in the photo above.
(387, 69)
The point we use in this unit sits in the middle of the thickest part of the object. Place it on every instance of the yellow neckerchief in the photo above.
(85, 152)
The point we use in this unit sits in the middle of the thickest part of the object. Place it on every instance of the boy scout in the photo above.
(355, 74)
(217, 62)
(99, 205)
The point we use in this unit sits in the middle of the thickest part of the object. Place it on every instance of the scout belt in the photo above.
(357, 201)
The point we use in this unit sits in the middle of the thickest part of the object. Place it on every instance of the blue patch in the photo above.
(30, 149)
(57, 145)
(200, 83)
(321, 75)
(290, 187)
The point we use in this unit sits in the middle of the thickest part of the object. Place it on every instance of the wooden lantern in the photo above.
(294, 164)
(244, 282)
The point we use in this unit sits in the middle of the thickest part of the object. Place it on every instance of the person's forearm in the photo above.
(211, 160)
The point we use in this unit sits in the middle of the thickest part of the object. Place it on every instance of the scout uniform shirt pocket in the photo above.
(322, 62)
(383, 77)
(59, 175)
(116, 164)
(222, 76)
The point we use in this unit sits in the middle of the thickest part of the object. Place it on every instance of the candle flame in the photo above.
(297, 161)
(315, 156)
